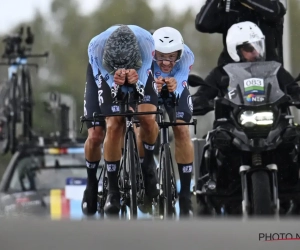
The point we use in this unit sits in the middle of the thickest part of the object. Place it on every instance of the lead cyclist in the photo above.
(121, 52)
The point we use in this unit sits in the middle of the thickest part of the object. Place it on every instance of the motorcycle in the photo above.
(250, 161)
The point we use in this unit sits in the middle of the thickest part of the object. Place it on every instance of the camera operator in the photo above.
(217, 16)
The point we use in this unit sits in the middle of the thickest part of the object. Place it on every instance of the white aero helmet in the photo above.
(244, 33)
(168, 40)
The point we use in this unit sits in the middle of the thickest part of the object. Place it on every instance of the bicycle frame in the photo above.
(166, 173)
(20, 79)
(27, 95)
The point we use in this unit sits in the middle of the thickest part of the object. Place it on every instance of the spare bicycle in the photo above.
(18, 89)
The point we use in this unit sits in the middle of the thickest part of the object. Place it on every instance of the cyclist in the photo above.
(120, 53)
(173, 61)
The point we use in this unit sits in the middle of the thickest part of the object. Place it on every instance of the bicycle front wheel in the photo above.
(102, 195)
(131, 159)
(167, 181)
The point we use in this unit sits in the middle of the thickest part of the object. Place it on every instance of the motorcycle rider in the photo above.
(245, 43)
(267, 14)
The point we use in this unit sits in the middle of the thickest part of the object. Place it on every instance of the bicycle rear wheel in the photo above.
(102, 195)
(123, 182)
(132, 169)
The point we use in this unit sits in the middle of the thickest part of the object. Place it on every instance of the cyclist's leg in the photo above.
(184, 150)
(112, 146)
(92, 144)
(148, 132)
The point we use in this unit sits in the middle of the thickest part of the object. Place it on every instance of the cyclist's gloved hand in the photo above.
(132, 76)
(159, 83)
(171, 84)
(120, 76)
(199, 100)
(202, 110)
(201, 105)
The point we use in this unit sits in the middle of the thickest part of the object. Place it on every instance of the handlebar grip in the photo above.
(140, 91)
(173, 96)
(165, 94)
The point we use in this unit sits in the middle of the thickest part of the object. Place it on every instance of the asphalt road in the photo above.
(32, 234)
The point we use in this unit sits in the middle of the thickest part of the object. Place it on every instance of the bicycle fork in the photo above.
(165, 141)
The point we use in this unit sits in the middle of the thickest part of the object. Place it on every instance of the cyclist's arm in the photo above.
(185, 65)
(271, 10)
(210, 18)
(95, 54)
(147, 48)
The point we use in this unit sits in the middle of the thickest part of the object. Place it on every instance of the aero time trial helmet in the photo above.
(168, 40)
(121, 50)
